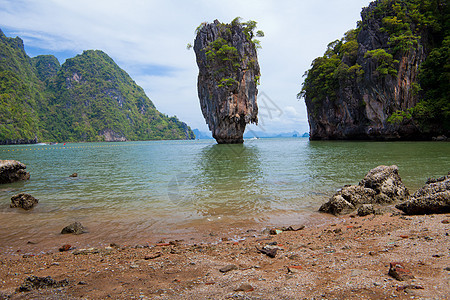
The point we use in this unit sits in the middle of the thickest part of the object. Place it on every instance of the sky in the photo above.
(148, 40)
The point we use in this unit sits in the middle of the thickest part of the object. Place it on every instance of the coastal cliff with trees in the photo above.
(388, 79)
(87, 98)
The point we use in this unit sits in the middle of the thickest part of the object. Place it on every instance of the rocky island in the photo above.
(87, 98)
(385, 80)
(228, 77)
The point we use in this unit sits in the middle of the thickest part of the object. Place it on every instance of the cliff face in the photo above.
(228, 78)
(374, 77)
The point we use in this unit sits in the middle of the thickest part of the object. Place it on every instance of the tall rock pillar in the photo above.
(228, 78)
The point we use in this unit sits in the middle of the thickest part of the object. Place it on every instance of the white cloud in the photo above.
(148, 40)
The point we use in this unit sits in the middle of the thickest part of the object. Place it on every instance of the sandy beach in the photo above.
(346, 259)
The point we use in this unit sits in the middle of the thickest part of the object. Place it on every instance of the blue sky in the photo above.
(148, 40)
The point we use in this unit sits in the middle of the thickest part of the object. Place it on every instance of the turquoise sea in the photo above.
(141, 190)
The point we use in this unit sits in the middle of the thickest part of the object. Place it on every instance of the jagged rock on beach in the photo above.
(432, 198)
(74, 228)
(23, 200)
(381, 185)
(12, 171)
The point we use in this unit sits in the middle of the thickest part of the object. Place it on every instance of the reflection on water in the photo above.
(142, 189)
(336, 163)
(228, 180)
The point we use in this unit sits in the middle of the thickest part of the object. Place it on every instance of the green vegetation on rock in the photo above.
(337, 64)
(223, 56)
(88, 98)
(385, 61)
(393, 34)
(21, 93)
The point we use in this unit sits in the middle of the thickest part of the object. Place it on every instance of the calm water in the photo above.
(136, 189)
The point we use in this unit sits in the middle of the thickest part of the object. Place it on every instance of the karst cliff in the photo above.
(386, 79)
(87, 98)
(228, 78)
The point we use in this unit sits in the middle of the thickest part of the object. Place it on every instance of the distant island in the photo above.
(88, 98)
(202, 135)
(388, 79)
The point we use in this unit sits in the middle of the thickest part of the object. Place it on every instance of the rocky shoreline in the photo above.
(349, 259)
(383, 185)
(383, 254)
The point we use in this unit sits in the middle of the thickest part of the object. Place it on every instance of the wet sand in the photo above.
(343, 258)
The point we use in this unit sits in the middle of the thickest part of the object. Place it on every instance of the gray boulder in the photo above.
(432, 198)
(12, 171)
(380, 186)
(24, 201)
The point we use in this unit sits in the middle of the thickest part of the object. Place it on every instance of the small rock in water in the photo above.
(24, 201)
(12, 171)
(74, 228)
(228, 268)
